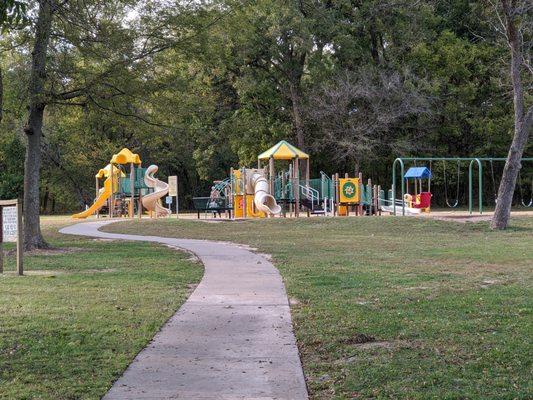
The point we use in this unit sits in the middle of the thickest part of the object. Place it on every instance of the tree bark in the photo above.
(32, 165)
(1, 93)
(296, 100)
(374, 43)
(522, 125)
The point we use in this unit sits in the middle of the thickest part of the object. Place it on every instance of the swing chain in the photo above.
(456, 201)
(522, 200)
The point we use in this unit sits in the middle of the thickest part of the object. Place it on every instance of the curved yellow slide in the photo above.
(98, 202)
(105, 192)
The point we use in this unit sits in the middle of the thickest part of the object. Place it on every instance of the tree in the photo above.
(359, 115)
(512, 13)
(33, 129)
(91, 60)
(12, 15)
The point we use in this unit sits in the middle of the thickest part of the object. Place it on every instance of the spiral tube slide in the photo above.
(151, 200)
(263, 200)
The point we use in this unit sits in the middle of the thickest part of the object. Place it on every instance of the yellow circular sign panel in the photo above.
(349, 190)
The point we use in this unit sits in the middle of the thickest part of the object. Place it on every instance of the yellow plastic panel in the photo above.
(125, 156)
(349, 190)
(250, 209)
(283, 151)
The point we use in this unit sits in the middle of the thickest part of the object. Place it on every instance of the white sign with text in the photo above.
(9, 219)
(173, 185)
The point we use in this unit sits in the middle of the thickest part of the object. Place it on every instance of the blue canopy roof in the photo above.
(417, 173)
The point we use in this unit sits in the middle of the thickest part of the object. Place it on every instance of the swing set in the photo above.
(454, 201)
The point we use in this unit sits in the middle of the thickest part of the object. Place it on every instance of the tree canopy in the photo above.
(199, 87)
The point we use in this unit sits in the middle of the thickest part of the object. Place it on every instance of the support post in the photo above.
(378, 202)
(132, 190)
(333, 196)
(140, 202)
(244, 193)
(297, 187)
(271, 174)
(20, 239)
(470, 186)
(337, 196)
(359, 205)
(371, 199)
(400, 161)
(232, 192)
(20, 234)
(111, 197)
(1, 239)
(97, 186)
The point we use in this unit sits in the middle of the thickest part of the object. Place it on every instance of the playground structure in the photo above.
(263, 192)
(127, 189)
(420, 200)
(392, 204)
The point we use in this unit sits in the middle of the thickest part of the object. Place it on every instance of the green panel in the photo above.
(125, 188)
(139, 178)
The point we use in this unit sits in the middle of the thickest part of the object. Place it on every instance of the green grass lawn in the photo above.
(397, 308)
(70, 327)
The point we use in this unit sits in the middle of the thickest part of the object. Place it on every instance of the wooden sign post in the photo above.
(11, 230)
(173, 190)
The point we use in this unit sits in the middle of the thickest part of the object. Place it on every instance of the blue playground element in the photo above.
(417, 173)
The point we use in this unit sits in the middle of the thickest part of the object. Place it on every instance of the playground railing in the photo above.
(222, 185)
(311, 194)
(321, 188)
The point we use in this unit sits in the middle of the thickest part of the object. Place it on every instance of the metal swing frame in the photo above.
(473, 160)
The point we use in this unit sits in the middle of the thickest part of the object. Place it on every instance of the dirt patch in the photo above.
(193, 258)
(267, 257)
(462, 218)
(211, 220)
(293, 301)
(191, 287)
(52, 273)
(96, 271)
(382, 344)
(490, 282)
(243, 246)
(48, 252)
(44, 272)
(359, 338)
(470, 268)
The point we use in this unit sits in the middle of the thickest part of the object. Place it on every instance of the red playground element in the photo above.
(423, 200)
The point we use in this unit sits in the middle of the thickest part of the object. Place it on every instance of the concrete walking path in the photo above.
(232, 339)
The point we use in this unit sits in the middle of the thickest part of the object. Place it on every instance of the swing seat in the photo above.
(423, 201)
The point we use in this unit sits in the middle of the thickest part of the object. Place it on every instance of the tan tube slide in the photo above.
(263, 200)
(151, 200)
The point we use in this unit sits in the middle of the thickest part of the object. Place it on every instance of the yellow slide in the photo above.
(105, 192)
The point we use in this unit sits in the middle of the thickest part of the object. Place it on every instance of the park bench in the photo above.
(214, 205)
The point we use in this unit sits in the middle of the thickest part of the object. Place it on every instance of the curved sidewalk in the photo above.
(232, 339)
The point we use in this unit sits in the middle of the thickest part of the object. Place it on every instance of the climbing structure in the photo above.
(126, 184)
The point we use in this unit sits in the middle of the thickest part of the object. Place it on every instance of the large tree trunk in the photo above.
(296, 100)
(522, 125)
(1, 93)
(32, 165)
